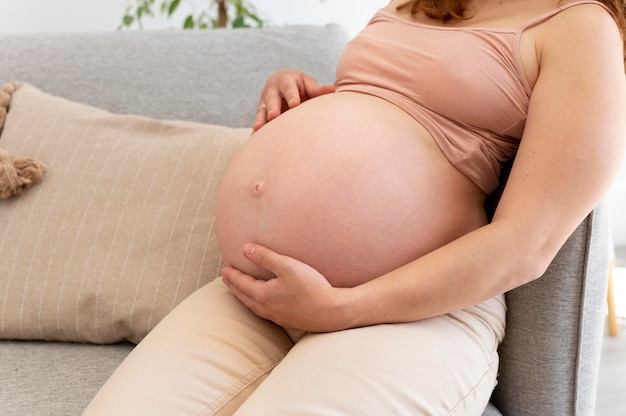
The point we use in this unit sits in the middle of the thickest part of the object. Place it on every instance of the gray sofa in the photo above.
(550, 356)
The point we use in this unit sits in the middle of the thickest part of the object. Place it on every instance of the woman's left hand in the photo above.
(298, 297)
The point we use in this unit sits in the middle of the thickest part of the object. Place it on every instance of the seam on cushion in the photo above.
(243, 383)
(490, 349)
(581, 307)
(462, 400)
(589, 231)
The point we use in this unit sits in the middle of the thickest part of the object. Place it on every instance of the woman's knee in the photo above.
(435, 366)
(205, 357)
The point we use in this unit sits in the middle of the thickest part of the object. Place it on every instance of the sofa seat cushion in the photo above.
(54, 378)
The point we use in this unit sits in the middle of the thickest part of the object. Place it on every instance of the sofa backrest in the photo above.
(211, 76)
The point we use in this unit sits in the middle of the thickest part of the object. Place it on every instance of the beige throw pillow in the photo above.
(121, 228)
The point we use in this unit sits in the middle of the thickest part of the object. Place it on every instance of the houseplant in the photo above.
(198, 14)
(204, 14)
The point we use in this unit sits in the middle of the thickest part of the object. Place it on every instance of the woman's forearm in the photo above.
(473, 268)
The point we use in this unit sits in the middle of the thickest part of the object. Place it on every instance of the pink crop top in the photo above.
(466, 86)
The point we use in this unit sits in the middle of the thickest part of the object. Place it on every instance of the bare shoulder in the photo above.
(580, 36)
(591, 20)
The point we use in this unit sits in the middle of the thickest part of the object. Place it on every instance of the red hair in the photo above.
(443, 10)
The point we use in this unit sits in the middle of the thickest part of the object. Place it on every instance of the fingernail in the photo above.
(248, 249)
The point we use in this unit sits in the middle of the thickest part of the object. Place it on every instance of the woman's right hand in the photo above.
(286, 89)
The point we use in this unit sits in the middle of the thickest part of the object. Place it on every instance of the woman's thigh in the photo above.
(441, 366)
(204, 358)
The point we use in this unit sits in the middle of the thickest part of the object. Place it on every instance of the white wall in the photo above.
(617, 208)
(45, 16)
(50, 16)
(351, 14)
(41, 16)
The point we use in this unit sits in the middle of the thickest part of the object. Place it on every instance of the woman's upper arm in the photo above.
(575, 133)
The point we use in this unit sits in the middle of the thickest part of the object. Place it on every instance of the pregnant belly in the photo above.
(346, 183)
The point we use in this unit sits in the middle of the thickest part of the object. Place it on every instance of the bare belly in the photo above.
(347, 183)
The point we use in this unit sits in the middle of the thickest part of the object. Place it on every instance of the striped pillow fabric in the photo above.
(121, 228)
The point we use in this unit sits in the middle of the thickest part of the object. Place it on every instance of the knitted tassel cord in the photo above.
(16, 174)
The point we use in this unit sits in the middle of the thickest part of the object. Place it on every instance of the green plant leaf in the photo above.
(173, 6)
(260, 22)
(146, 8)
(240, 22)
(189, 23)
(203, 17)
(128, 20)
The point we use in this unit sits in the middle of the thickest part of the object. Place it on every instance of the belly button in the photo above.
(259, 186)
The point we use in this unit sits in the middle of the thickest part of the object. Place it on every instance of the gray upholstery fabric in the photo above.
(53, 378)
(551, 351)
(491, 411)
(550, 354)
(208, 76)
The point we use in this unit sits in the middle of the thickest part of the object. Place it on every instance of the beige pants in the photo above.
(212, 356)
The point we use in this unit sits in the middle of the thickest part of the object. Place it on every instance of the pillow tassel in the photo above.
(5, 98)
(18, 174)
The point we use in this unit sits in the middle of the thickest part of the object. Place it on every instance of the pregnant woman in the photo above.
(362, 274)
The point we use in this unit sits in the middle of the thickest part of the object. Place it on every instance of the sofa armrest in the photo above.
(551, 351)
